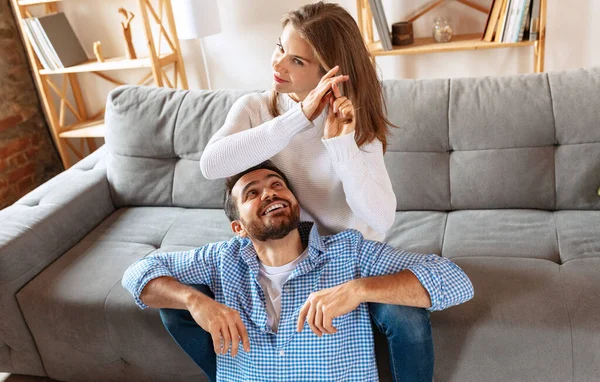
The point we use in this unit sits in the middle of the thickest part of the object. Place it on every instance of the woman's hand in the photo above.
(317, 99)
(340, 117)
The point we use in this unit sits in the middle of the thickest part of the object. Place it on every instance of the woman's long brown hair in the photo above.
(336, 40)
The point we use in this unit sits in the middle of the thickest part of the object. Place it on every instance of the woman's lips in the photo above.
(277, 79)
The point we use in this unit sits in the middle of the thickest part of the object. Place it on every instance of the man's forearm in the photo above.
(167, 292)
(402, 288)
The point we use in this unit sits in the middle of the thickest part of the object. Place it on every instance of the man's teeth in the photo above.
(273, 207)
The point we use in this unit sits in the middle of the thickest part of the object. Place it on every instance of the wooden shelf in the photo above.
(91, 129)
(118, 63)
(36, 2)
(428, 45)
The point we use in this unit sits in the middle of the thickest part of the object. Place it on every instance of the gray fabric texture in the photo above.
(35, 231)
(498, 174)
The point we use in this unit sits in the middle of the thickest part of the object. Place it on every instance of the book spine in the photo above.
(503, 19)
(500, 25)
(34, 44)
(382, 30)
(49, 48)
(535, 20)
(40, 37)
(523, 21)
(514, 7)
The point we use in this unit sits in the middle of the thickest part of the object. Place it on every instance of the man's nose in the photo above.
(268, 193)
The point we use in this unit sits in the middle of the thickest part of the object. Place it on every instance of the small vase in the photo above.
(442, 31)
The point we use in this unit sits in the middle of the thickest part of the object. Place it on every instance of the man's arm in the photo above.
(402, 288)
(159, 281)
(388, 276)
(217, 319)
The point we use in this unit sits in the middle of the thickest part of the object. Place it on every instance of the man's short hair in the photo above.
(229, 202)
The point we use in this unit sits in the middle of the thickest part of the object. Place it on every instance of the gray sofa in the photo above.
(498, 174)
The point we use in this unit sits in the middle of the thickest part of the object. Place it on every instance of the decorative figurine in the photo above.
(127, 33)
(98, 51)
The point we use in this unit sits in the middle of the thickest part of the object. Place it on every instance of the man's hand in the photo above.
(221, 322)
(323, 306)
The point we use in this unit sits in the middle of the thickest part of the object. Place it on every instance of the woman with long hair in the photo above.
(324, 125)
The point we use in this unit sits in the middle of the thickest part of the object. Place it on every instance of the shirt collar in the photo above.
(308, 234)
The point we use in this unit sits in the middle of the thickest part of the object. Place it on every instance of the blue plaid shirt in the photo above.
(230, 269)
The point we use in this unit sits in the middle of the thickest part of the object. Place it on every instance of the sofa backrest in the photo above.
(521, 141)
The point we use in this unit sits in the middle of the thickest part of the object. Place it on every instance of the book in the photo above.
(28, 29)
(487, 21)
(534, 26)
(511, 19)
(46, 46)
(492, 20)
(381, 24)
(62, 39)
(523, 21)
(501, 21)
(527, 22)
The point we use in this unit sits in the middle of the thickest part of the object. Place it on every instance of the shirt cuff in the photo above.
(424, 275)
(149, 276)
(341, 148)
(294, 121)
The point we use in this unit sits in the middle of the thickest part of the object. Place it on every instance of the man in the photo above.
(278, 277)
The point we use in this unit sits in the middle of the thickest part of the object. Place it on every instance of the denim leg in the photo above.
(195, 341)
(408, 332)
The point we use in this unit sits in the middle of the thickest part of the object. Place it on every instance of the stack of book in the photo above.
(512, 21)
(54, 41)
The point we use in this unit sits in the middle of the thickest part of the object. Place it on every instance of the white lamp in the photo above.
(195, 19)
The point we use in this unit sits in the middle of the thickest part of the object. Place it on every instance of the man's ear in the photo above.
(238, 228)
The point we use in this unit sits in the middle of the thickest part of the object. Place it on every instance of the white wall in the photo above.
(239, 57)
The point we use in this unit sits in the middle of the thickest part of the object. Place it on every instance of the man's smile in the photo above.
(275, 206)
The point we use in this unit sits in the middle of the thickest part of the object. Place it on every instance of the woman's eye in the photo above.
(280, 47)
(298, 62)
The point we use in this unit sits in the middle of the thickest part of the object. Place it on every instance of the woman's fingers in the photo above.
(330, 73)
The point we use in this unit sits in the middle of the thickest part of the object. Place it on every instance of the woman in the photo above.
(323, 124)
(333, 155)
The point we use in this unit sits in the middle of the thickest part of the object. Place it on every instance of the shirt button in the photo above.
(281, 352)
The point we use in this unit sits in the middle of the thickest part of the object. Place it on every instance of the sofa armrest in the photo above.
(38, 229)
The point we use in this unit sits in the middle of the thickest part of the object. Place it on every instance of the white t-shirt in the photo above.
(271, 279)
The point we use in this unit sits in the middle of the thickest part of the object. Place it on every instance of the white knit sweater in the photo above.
(337, 184)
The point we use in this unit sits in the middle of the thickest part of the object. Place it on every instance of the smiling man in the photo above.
(278, 277)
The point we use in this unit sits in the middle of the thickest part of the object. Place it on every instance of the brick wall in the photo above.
(27, 154)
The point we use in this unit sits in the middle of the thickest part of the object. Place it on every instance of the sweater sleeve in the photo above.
(242, 143)
(365, 179)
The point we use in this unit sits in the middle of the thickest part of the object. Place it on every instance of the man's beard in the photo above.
(275, 230)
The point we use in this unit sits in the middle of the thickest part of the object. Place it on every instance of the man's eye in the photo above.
(250, 194)
(277, 184)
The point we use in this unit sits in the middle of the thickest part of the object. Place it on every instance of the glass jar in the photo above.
(442, 31)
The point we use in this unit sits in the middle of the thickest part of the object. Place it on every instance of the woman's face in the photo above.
(295, 68)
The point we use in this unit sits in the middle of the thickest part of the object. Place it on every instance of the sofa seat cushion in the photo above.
(84, 322)
(516, 328)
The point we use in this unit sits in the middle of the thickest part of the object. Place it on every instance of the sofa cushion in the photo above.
(155, 137)
(501, 233)
(516, 328)
(578, 236)
(85, 323)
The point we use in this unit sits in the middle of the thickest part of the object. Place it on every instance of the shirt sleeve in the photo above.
(365, 179)
(197, 266)
(446, 283)
(242, 142)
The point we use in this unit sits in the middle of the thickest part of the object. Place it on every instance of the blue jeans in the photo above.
(407, 329)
